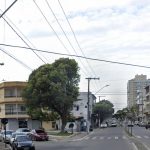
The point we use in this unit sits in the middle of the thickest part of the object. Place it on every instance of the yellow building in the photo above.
(13, 108)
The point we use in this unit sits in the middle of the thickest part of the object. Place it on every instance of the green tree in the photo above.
(103, 109)
(53, 87)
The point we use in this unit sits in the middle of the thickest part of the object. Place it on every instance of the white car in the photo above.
(8, 135)
(24, 130)
(103, 125)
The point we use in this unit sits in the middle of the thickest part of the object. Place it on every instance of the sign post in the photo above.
(4, 121)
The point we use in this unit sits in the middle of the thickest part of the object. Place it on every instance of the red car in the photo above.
(38, 135)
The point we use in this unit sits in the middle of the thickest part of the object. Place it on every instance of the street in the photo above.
(101, 139)
(143, 135)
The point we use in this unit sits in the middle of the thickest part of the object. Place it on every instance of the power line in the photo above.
(21, 33)
(22, 39)
(64, 32)
(62, 43)
(95, 59)
(7, 9)
(73, 32)
(75, 36)
(22, 63)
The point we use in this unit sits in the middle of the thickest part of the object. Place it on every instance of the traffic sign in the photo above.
(4, 120)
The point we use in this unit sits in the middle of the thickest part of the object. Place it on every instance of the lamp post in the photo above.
(99, 121)
(101, 88)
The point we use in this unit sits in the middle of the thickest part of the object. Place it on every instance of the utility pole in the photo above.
(88, 97)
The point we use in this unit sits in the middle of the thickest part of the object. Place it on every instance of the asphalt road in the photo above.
(102, 139)
(142, 135)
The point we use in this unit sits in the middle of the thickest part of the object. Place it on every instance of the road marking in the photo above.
(86, 138)
(146, 137)
(101, 138)
(109, 138)
(93, 138)
(139, 137)
(116, 138)
(124, 137)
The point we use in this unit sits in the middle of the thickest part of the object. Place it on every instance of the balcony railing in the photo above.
(16, 113)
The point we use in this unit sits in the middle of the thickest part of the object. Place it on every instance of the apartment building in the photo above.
(13, 108)
(135, 88)
(146, 106)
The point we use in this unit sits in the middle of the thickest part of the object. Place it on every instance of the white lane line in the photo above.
(124, 137)
(101, 138)
(93, 138)
(139, 137)
(116, 137)
(86, 138)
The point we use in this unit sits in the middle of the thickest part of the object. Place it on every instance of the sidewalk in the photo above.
(2, 146)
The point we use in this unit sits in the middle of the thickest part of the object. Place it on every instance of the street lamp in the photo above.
(101, 88)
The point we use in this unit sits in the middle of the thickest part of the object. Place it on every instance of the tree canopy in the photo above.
(103, 109)
(53, 87)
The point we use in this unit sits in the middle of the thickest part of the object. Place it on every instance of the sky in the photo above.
(104, 31)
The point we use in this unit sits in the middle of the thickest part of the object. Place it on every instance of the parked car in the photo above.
(8, 135)
(23, 142)
(103, 125)
(113, 124)
(11, 140)
(25, 130)
(142, 124)
(38, 135)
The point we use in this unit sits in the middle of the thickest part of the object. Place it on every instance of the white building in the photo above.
(80, 107)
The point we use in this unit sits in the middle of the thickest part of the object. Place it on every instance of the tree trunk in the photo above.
(64, 121)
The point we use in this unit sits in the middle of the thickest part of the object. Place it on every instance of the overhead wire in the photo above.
(19, 61)
(76, 37)
(23, 36)
(22, 39)
(60, 40)
(7, 9)
(63, 54)
(63, 31)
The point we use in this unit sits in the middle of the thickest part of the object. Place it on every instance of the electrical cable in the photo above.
(64, 32)
(63, 54)
(22, 39)
(22, 63)
(53, 29)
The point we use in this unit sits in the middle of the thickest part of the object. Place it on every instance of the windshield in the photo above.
(23, 138)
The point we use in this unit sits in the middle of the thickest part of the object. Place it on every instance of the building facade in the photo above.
(80, 107)
(136, 94)
(134, 88)
(146, 106)
(13, 108)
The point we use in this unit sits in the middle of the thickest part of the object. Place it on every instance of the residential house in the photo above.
(13, 108)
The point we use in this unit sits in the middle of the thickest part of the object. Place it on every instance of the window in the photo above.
(10, 92)
(13, 92)
(10, 109)
(22, 124)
